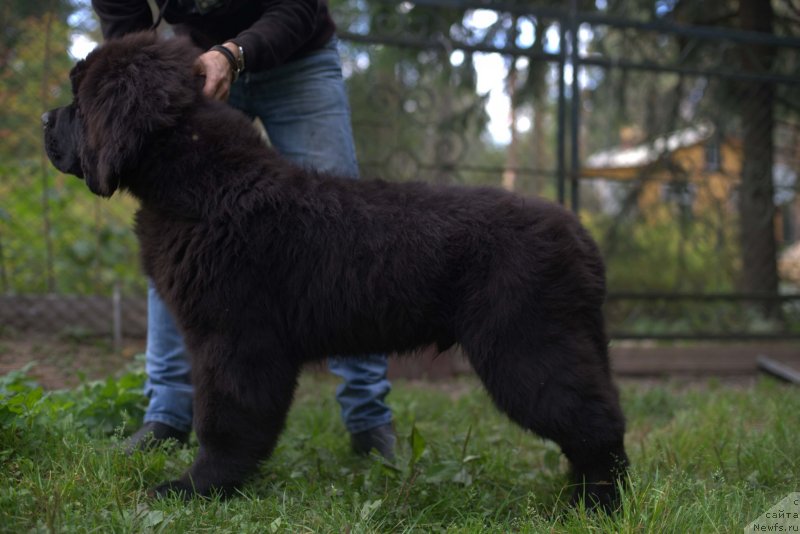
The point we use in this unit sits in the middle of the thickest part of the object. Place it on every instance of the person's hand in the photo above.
(218, 73)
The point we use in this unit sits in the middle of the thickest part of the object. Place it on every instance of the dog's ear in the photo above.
(128, 90)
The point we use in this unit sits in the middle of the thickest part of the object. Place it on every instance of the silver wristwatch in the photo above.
(240, 59)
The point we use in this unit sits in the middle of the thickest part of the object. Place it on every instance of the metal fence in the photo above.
(679, 146)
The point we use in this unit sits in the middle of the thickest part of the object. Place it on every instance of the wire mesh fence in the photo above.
(678, 145)
(696, 187)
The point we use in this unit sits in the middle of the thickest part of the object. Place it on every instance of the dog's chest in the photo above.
(165, 242)
(200, 253)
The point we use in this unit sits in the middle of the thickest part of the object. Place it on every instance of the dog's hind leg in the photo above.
(240, 409)
(560, 389)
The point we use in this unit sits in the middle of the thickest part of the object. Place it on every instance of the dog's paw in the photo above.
(177, 488)
(597, 496)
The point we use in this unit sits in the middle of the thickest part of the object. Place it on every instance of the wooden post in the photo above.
(116, 303)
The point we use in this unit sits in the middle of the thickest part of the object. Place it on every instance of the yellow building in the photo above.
(695, 165)
(698, 168)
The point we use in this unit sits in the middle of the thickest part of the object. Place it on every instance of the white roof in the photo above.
(647, 153)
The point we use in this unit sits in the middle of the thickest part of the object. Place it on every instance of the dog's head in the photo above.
(124, 93)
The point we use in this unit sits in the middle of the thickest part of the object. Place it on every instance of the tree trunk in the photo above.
(446, 149)
(756, 204)
(539, 140)
(44, 164)
(510, 171)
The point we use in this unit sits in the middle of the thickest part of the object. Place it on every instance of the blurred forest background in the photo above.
(671, 126)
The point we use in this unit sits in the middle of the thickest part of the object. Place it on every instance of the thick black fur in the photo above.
(267, 266)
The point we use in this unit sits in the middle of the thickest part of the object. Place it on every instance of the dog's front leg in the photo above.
(240, 409)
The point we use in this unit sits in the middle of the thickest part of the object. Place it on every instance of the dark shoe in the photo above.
(153, 434)
(381, 438)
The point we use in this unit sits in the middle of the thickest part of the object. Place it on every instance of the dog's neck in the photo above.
(195, 152)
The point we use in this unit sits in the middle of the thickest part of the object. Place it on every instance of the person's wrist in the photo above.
(238, 53)
(230, 59)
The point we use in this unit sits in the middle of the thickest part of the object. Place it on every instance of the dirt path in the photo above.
(60, 362)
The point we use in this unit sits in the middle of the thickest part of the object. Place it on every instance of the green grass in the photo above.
(705, 459)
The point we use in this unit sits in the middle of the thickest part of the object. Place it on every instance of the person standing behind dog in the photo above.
(278, 61)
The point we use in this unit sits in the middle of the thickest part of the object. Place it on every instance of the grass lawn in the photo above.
(706, 458)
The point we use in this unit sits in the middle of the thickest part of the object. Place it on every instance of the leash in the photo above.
(160, 15)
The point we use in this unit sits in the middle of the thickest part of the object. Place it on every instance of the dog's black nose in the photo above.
(45, 119)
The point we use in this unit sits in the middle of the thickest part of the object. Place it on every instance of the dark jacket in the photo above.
(271, 32)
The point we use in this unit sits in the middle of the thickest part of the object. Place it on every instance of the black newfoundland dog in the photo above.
(267, 266)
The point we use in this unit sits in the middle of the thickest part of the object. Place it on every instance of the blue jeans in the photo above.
(304, 109)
